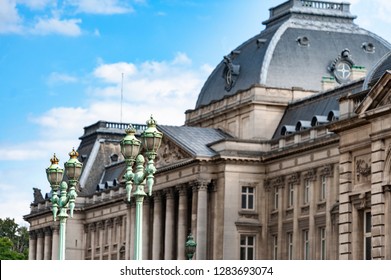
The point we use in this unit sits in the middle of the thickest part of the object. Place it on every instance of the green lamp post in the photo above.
(190, 247)
(130, 147)
(66, 200)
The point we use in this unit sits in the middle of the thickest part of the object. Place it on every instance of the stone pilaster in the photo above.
(182, 222)
(202, 214)
(345, 207)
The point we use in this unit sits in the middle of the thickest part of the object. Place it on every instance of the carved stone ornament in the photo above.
(169, 153)
(230, 72)
(310, 175)
(363, 169)
(327, 170)
(294, 178)
(341, 67)
(385, 101)
(37, 195)
(277, 182)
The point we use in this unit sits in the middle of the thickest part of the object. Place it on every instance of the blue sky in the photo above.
(61, 66)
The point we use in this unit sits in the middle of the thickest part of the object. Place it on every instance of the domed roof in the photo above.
(303, 42)
(377, 71)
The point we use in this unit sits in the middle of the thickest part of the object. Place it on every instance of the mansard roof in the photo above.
(300, 45)
(316, 110)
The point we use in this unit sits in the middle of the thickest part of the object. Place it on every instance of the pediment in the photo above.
(378, 98)
(170, 153)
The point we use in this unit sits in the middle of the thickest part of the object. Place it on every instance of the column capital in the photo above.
(157, 196)
(55, 228)
(169, 193)
(47, 231)
(33, 234)
(181, 189)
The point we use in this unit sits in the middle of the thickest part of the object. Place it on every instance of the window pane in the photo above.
(244, 201)
(368, 222)
(368, 248)
(251, 202)
(250, 253)
(250, 240)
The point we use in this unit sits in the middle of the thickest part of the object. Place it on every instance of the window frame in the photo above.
(247, 198)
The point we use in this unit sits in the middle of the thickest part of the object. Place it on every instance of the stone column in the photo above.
(32, 245)
(202, 214)
(47, 244)
(145, 221)
(194, 203)
(169, 225)
(157, 226)
(182, 222)
(40, 244)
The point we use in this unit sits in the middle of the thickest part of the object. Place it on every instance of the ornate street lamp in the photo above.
(60, 204)
(130, 147)
(190, 247)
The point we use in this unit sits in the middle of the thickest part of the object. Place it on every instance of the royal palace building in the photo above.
(286, 155)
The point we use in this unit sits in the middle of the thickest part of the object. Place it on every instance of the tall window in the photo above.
(322, 232)
(290, 194)
(290, 245)
(248, 198)
(323, 187)
(306, 245)
(275, 246)
(306, 196)
(247, 247)
(367, 235)
(275, 199)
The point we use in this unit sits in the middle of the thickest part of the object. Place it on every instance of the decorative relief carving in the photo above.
(294, 178)
(277, 182)
(363, 170)
(310, 175)
(385, 101)
(361, 201)
(327, 170)
(169, 153)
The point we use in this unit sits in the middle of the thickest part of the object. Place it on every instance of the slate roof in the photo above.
(194, 140)
(320, 106)
(378, 71)
(275, 58)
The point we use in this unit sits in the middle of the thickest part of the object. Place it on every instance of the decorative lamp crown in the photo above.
(151, 138)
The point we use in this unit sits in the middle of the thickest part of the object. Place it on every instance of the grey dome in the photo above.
(377, 71)
(301, 44)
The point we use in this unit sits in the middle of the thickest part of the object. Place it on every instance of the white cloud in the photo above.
(105, 7)
(68, 27)
(10, 20)
(61, 78)
(37, 4)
